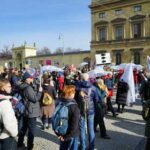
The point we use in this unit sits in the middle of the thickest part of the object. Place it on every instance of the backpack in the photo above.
(18, 105)
(60, 118)
(47, 99)
(85, 96)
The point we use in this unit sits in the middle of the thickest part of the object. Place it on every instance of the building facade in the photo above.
(27, 55)
(121, 27)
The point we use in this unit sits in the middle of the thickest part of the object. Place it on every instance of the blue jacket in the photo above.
(101, 93)
(87, 87)
(109, 83)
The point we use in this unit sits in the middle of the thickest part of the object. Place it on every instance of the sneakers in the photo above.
(43, 128)
(49, 126)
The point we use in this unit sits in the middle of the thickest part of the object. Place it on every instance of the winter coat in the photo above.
(73, 122)
(47, 111)
(122, 91)
(31, 100)
(7, 118)
(87, 87)
(109, 83)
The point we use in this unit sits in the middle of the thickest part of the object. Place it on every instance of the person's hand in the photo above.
(61, 138)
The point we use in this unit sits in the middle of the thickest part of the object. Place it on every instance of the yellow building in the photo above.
(27, 55)
(121, 27)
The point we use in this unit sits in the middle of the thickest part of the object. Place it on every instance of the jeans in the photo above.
(30, 124)
(71, 144)
(7, 144)
(90, 129)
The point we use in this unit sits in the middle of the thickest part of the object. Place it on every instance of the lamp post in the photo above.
(61, 38)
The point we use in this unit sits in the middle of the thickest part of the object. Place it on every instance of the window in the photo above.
(118, 58)
(137, 57)
(137, 8)
(119, 32)
(102, 34)
(137, 30)
(102, 15)
(118, 11)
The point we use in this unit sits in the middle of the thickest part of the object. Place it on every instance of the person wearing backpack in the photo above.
(65, 120)
(8, 121)
(86, 98)
(47, 103)
(32, 110)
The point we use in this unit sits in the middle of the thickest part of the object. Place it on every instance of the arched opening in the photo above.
(118, 58)
(137, 58)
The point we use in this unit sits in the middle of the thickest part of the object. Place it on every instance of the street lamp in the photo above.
(61, 38)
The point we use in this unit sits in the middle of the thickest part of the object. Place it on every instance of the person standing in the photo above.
(69, 141)
(100, 108)
(47, 110)
(109, 82)
(8, 121)
(86, 99)
(32, 110)
(145, 91)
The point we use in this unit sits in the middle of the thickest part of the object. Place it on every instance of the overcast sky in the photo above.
(42, 21)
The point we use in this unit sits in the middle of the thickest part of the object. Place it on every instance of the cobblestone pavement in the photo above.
(126, 132)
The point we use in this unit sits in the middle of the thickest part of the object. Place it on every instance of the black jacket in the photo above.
(31, 100)
(74, 116)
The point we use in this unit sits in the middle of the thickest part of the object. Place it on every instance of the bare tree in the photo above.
(69, 49)
(44, 51)
(6, 52)
(58, 50)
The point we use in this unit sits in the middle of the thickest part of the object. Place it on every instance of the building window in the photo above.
(119, 32)
(137, 8)
(102, 15)
(118, 58)
(137, 57)
(118, 11)
(137, 30)
(103, 34)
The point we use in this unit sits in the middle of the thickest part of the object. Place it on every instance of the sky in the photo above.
(44, 21)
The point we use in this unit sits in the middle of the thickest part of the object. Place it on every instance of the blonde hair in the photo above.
(102, 85)
(68, 90)
(3, 82)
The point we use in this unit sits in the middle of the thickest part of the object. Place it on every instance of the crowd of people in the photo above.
(88, 101)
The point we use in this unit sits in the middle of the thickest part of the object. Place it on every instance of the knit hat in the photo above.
(26, 75)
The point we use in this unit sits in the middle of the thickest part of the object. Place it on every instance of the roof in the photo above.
(60, 54)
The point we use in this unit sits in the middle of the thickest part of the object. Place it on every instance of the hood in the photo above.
(5, 97)
(22, 86)
(86, 84)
